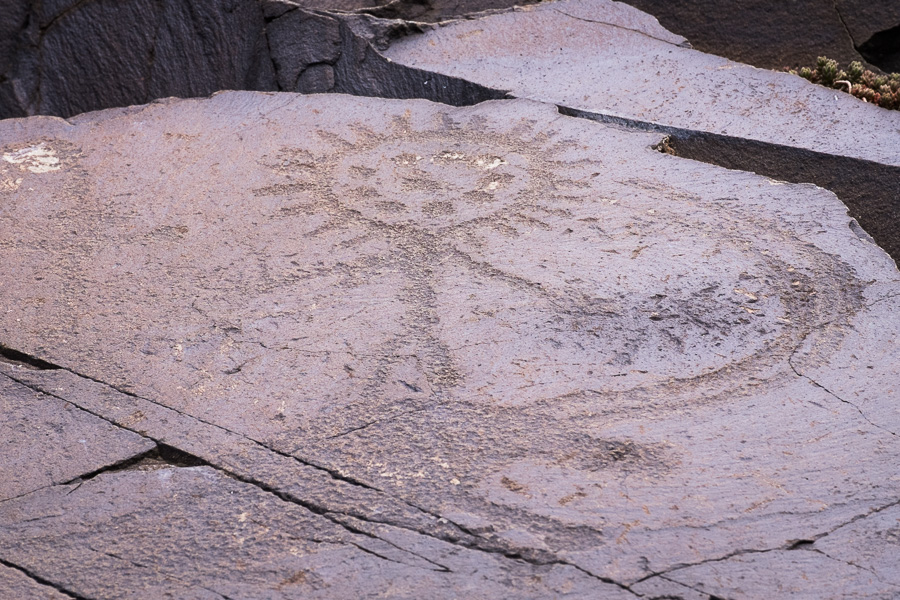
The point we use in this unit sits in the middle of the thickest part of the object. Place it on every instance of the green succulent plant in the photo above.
(882, 90)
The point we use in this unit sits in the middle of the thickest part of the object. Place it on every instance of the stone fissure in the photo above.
(859, 518)
(725, 557)
(40, 580)
(638, 31)
(846, 562)
(870, 190)
(840, 17)
(387, 419)
(63, 14)
(801, 544)
(343, 520)
(317, 509)
(469, 539)
(16, 357)
(832, 394)
(427, 217)
(166, 452)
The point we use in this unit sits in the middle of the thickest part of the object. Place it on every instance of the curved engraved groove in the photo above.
(449, 208)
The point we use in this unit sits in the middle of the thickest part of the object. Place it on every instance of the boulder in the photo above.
(65, 58)
(398, 347)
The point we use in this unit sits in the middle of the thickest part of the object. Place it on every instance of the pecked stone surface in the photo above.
(521, 334)
(615, 60)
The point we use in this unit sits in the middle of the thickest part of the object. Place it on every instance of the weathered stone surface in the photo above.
(18, 586)
(315, 53)
(73, 57)
(65, 58)
(495, 328)
(427, 11)
(873, 27)
(46, 441)
(602, 66)
(159, 531)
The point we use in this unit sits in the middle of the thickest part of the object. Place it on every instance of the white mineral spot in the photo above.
(489, 163)
(37, 159)
(10, 184)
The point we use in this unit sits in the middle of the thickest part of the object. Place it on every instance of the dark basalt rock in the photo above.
(774, 35)
(75, 57)
(63, 58)
(67, 58)
(883, 49)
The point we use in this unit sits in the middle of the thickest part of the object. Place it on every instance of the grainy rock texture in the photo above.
(400, 348)
(65, 58)
(69, 57)
(16, 584)
(774, 35)
(157, 531)
(46, 441)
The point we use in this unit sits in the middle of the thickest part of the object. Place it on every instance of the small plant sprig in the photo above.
(883, 90)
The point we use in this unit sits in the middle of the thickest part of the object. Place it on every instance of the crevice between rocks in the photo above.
(684, 44)
(40, 580)
(840, 17)
(303, 50)
(883, 49)
(163, 455)
(870, 190)
(797, 544)
(344, 51)
(835, 396)
(25, 360)
(172, 455)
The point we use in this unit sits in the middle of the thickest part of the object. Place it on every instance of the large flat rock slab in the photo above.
(611, 59)
(496, 328)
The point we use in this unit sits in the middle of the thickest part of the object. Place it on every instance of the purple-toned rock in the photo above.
(521, 339)
(610, 62)
(46, 441)
(16, 585)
